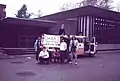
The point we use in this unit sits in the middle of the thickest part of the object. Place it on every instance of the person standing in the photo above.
(38, 47)
(67, 40)
(72, 49)
(63, 48)
(62, 30)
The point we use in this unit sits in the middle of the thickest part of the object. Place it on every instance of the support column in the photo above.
(88, 27)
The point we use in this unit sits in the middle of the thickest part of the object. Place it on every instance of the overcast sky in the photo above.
(47, 6)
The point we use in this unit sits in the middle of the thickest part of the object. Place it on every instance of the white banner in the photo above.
(51, 41)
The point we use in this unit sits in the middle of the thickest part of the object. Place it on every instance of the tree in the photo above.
(118, 7)
(22, 13)
(39, 14)
(105, 4)
(68, 6)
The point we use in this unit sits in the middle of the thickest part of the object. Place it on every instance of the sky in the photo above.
(46, 6)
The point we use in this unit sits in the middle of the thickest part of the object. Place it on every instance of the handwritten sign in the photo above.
(51, 40)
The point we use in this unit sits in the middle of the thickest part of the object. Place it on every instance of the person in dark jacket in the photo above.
(62, 30)
(67, 40)
(56, 55)
(38, 47)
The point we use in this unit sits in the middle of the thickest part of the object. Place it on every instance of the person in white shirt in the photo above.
(44, 56)
(63, 48)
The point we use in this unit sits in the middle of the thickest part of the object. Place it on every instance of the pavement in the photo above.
(102, 67)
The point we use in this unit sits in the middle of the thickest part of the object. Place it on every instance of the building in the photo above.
(89, 21)
(2, 11)
(20, 32)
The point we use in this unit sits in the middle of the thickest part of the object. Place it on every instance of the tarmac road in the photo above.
(102, 67)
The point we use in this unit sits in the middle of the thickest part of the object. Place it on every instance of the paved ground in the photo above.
(103, 67)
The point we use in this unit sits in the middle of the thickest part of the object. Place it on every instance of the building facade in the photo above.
(88, 21)
(91, 22)
(22, 33)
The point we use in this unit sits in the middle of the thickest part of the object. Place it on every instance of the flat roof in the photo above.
(29, 22)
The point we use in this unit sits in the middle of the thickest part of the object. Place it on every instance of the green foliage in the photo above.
(22, 13)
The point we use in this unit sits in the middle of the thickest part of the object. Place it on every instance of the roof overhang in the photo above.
(29, 22)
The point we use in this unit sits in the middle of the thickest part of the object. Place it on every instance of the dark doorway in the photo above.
(26, 41)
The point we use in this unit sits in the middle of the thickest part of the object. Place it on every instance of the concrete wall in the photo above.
(70, 27)
(55, 30)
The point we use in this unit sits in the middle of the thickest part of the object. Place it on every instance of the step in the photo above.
(19, 51)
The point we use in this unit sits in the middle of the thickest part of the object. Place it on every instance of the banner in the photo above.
(51, 41)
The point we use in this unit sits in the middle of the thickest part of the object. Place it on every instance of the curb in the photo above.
(108, 50)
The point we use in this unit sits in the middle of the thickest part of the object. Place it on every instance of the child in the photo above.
(44, 56)
(63, 48)
(56, 55)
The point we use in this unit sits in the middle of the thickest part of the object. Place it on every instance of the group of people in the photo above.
(67, 50)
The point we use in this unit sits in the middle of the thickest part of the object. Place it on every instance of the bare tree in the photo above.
(66, 7)
(39, 14)
(118, 7)
(105, 4)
